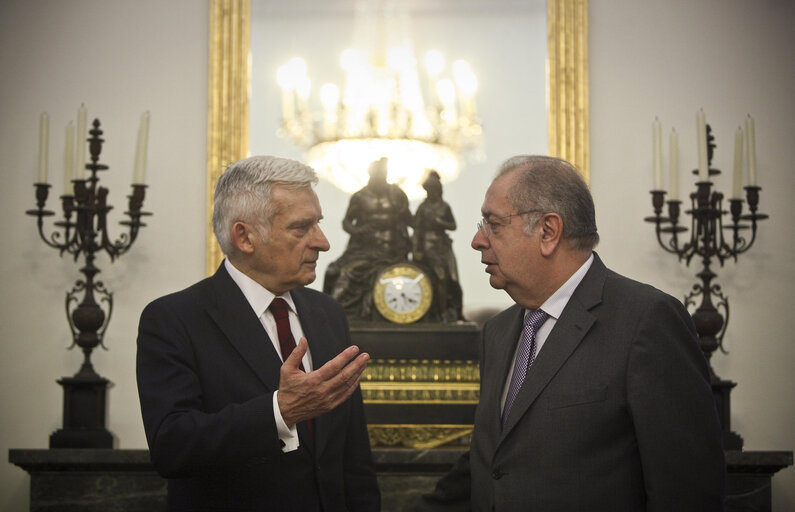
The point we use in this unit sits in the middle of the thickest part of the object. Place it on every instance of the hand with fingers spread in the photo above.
(303, 396)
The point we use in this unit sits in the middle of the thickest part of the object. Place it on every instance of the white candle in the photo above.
(738, 164)
(80, 152)
(657, 144)
(69, 161)
(701, 131)
(137, 163)
(750, 137)
(139, 172)
(674, 165)
(44, 142)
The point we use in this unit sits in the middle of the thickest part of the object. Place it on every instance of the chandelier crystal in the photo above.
(381, 110)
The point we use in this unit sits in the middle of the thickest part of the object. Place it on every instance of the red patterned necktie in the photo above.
(281, 313)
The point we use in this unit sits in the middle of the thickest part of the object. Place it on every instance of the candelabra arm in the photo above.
(54, 240)
(135, 205)
(752, 197)
(657, 201)
(102, 226)
(674, 207)
(670, 246)
(667, 225)
(744, 245)
(739, 243)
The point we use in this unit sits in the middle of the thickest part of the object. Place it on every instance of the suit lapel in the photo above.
(231, 311)
(316, 330)
(566, 336)
(505, 337)
(315, 327)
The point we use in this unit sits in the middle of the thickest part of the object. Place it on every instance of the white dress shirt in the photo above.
(553, 306)
(260, 300)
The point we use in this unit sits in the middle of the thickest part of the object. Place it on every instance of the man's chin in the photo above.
(496, 282)
(309, 278)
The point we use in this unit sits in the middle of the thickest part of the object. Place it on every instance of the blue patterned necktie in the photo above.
(525, 356)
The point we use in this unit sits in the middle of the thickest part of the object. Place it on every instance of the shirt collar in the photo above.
(554, 305)
(258, 296)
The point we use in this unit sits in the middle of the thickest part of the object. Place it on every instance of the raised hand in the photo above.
(307, 395)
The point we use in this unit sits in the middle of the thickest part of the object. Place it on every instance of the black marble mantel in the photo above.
(105, 480)
(91, 480)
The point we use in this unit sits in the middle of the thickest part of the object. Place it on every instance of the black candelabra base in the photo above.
(83, 414)
(721, 389)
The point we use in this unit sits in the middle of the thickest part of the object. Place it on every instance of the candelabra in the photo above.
(83, 232)
(707, 240)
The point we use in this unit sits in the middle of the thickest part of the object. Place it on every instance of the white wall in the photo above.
(119, 58)
(731, 57)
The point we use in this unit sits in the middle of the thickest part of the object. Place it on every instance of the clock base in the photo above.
(422, 384)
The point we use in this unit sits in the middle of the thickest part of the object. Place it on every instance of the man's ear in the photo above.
(550, 229)
(243, 237)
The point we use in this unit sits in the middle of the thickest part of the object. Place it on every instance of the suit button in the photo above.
(497, 474)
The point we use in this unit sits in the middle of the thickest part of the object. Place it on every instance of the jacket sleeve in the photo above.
(185, 438)
(674, 413)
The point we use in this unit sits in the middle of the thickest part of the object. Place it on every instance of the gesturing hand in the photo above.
(307, 395)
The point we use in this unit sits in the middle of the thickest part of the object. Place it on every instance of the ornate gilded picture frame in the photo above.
(228, 118)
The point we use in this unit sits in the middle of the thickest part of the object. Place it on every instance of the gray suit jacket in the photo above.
(206, 376)
(616, 413)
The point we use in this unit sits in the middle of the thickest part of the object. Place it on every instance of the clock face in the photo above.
(402, 293)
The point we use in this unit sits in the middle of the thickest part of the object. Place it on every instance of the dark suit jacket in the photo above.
(206, 376)
(616, 413)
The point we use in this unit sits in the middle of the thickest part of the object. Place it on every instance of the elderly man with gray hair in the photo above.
(594, 394)
(248, 382)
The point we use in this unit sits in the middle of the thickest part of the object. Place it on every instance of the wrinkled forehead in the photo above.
(286, 199)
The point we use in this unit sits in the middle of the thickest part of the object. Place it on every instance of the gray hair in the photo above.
(243, 191)
(553, 185)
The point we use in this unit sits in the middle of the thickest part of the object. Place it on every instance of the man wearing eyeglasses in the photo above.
(594, 393)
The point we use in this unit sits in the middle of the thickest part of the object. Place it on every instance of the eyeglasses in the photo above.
(487, 226)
